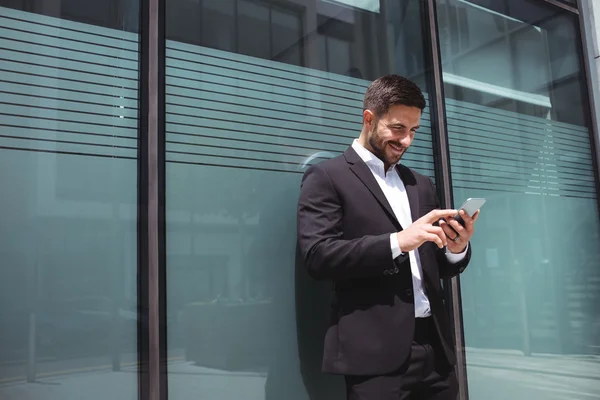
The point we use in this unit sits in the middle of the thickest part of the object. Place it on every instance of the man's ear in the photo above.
(368, 118)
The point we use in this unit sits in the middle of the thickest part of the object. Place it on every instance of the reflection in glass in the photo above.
(242, 126)
(68, 172)
(519, 137)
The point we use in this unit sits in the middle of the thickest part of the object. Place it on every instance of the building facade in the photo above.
(151, 153)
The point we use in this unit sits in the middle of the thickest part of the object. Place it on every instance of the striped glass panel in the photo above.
(233, 110)
(68, 237)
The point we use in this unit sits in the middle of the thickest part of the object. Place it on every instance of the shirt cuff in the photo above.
(456, 258)
(396, 252)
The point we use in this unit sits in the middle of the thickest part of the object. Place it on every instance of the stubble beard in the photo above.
(378, 149)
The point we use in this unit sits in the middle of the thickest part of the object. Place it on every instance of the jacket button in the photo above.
(386, 272)
(409, 292)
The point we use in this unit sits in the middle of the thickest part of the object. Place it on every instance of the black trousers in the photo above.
(425, 376)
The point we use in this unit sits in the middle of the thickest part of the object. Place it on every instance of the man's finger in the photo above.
(436, 230)
(458, 228)
(432, 237)
(436, 215)
(449, 230)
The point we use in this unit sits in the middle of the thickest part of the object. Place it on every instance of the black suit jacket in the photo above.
(344, 227)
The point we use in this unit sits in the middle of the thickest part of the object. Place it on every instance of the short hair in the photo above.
(391, 90)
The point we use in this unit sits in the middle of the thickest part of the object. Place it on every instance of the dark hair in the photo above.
(391, 90)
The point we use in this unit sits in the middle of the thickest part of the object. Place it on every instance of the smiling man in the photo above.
(370, 225)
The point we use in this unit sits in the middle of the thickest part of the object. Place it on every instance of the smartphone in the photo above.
(470, 206)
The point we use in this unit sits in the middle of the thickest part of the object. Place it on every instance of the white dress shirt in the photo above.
(393, 188)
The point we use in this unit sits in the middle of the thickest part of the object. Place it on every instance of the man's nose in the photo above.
(406, 141)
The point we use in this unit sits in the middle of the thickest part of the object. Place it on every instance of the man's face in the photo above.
(392, 133)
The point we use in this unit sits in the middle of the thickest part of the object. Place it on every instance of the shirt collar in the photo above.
(369, 158)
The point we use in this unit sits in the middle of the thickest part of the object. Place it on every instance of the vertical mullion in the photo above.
(591, 100)
(151, 211)
(444, 184)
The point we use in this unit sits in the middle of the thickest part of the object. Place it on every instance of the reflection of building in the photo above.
(256, 91)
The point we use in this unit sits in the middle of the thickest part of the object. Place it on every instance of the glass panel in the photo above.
(287, 36)
(518, 137)
(254, 36)
(241, 130)
(68, 172)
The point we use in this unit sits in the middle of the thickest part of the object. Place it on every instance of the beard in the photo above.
(381, 149)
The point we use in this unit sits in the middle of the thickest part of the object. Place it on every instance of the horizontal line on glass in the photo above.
(482, 155)
(66, 105)
(293, 170)
(502, 115)
(258, 62)
(70, 121)
(525, 180)
(94, 76)
(44, 93)
(112, 146)
(279, 153)
(172, 129)
(530, 187)
(222, 72)
(266, 71)
(117, 42)
(266, 94)
(8, 131)
(227, 118)
(283, 146)
(59, 46)
(111, 69)
(63, 25)
(459, 157)
(124, 118)
(519, 150)
(456, 168)
(232, 101)
(506, 190)
(76, 81)
(243, 140)
(275, 114)
(235, 157)
(542, 133)
(66, 152)
(501, 136)
(233, 166)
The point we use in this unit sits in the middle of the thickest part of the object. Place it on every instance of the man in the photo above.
(373, 227)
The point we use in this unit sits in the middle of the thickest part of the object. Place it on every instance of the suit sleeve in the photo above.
(449, 269)
(326, 254)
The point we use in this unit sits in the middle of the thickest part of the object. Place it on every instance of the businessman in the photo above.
(373, 227)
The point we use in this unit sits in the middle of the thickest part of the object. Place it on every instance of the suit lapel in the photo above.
(362, 171)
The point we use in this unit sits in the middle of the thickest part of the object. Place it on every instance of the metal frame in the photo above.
(152, 344)
(444, 186)
(562, 5)
(590, 99)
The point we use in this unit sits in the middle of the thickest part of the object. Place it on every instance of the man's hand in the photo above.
(422, 230)
(464, 233)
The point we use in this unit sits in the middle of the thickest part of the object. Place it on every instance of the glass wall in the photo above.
(68, 209)
(256, 92)
(515, 98)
